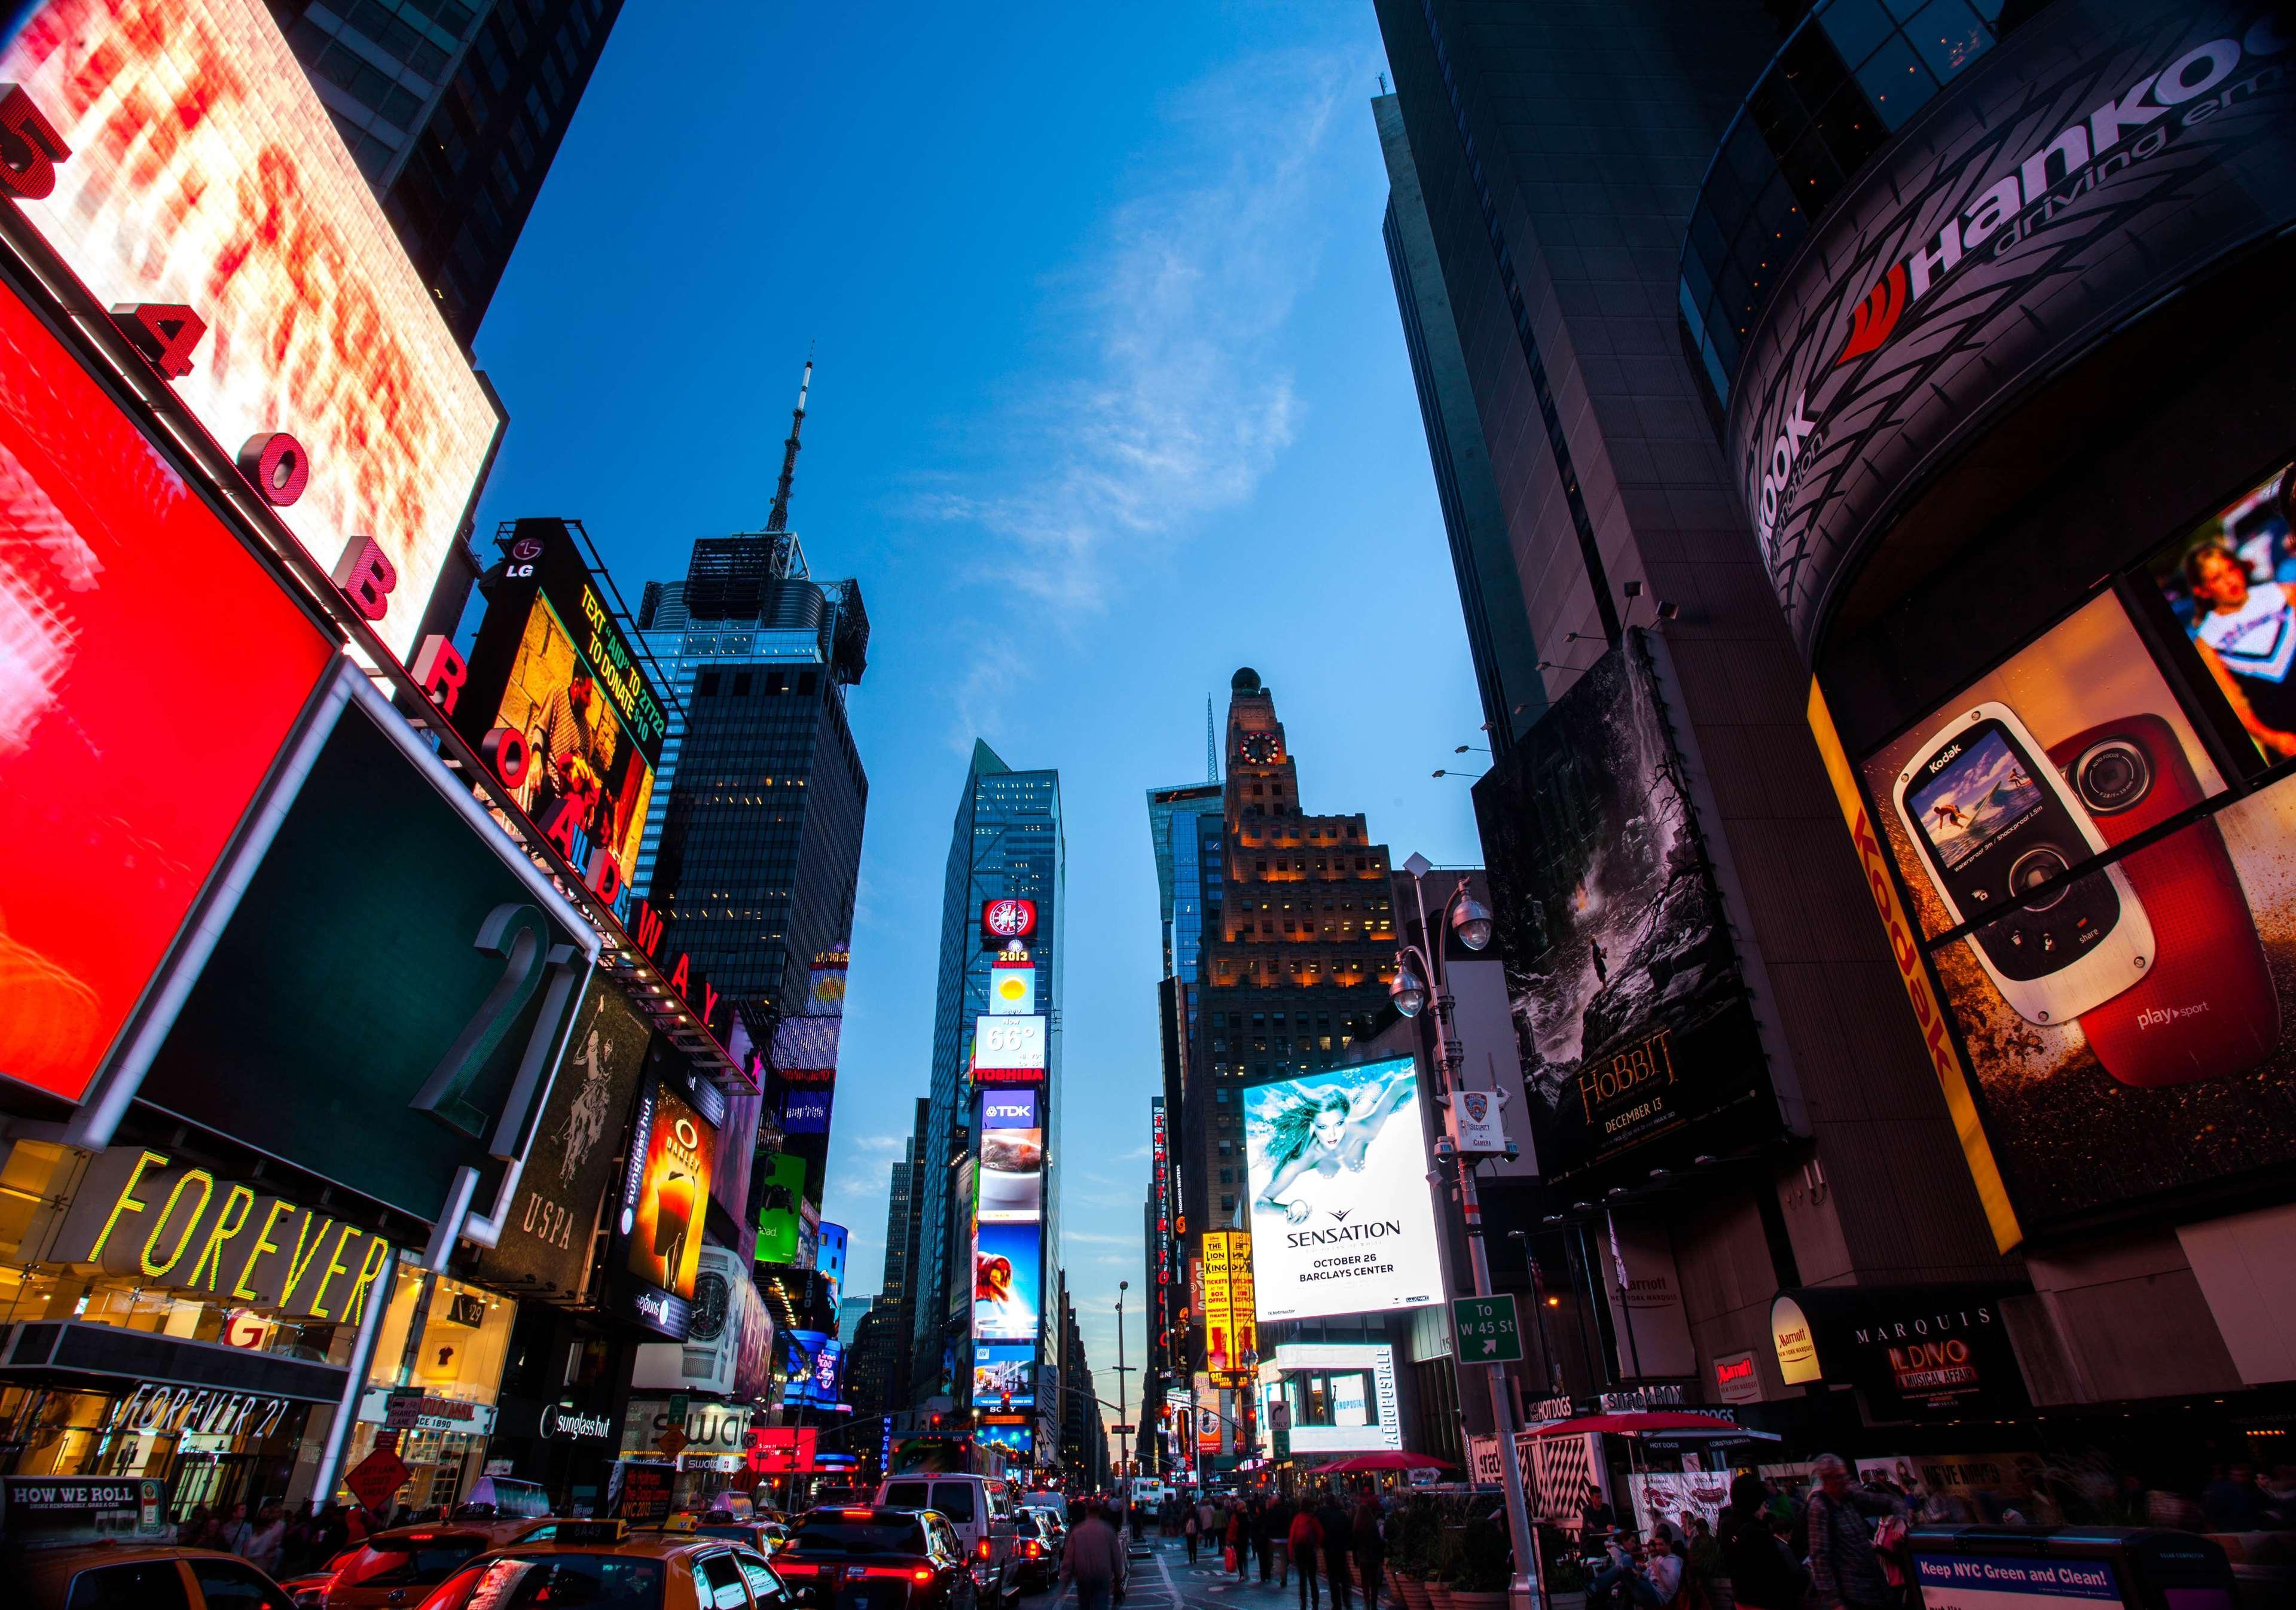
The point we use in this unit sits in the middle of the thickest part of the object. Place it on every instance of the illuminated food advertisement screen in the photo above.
(204, 171)
(1011, 1176)
(111, 569)
(1007, 1277)
(1339, 1192)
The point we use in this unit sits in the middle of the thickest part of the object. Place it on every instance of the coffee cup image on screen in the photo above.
(1012, 1175)
(1994, 820)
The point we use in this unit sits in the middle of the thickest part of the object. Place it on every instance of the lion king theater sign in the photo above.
(141, 1212)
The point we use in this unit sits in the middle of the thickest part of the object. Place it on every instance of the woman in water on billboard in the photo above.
(1327, 1129)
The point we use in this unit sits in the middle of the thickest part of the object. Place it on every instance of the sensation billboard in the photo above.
(551, 665)
(2095, 161)
(545, 1247)
(1339, 1190)
(203, 171)
(667, 1188)
(112, 566)
(1633, 1022)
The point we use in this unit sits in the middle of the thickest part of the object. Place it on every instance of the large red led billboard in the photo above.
(204, 171)
(149, 671)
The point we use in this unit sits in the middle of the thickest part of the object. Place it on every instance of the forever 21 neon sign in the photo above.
(275, 466)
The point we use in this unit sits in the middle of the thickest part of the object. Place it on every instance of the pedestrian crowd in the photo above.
(1332, 1542)
(285, 1541)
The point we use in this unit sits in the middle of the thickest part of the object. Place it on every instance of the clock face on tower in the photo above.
(1260, 748)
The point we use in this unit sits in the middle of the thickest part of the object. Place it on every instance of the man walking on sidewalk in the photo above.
(1305, 1538)
(1094, 1560)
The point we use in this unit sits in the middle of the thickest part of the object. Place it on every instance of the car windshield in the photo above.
(830, 1535)
(908, 1495)
(603, 1581)
(404, 1562)
(954, 1499)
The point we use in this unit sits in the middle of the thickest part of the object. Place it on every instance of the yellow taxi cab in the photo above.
(111, 1576)
(608, 1565)
(107, 1543)
(762, 1530)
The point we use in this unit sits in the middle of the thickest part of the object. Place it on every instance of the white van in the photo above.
(980, 1508)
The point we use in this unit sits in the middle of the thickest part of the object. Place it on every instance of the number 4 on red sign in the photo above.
(166, 333)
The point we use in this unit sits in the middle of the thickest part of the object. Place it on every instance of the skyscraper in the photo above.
(454, 110)
(1006, 844)
(1298, 952)
(1500, 643)
(751, 848)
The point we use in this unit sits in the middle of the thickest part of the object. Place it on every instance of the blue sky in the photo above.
(1112, 399)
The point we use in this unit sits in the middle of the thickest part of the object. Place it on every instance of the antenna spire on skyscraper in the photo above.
(1212, 745)
(778, 519)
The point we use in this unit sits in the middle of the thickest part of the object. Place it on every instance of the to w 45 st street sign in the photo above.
(1486, 1330)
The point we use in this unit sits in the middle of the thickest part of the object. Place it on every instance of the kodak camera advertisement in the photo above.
(2113, 922)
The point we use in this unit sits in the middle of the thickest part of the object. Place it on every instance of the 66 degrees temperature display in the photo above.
(1008, 1050)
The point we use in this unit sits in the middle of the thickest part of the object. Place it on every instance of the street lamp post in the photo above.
(1123, 1444)
(1471, 920)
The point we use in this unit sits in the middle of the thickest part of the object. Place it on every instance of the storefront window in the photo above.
(445, 1341)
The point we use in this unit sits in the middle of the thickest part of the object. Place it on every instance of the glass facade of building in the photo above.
(1006, 843)
(454, 110)
(1846, 78)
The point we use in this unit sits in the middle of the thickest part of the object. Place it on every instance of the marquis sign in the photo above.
(2093, 164)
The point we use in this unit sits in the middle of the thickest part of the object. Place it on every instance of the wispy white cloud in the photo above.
(1181, 402)
(1095, 1238)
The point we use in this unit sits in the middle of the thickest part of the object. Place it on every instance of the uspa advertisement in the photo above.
(1633, 1019)
(1346, 1224)
(2125, 1017)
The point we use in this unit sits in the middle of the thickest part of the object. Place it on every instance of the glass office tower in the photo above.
(1006, 844)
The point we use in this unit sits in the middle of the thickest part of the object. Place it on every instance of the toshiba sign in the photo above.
(2100, 159)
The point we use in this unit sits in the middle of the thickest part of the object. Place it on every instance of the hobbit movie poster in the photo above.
(1627, 1001)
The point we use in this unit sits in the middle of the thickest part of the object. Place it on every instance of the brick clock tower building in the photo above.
(1297, 958)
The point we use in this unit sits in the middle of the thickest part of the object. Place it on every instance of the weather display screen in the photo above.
(1980, 794)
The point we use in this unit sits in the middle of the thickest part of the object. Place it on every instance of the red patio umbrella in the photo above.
(1362, 1462)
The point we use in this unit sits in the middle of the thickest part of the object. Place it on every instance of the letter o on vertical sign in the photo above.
(275, 464)
(506, 751)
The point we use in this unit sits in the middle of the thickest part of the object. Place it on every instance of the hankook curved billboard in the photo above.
(2102, 157)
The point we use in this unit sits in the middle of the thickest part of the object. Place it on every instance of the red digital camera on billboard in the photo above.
(2206, 1008)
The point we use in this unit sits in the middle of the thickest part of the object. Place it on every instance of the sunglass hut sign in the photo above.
(1931, 286)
